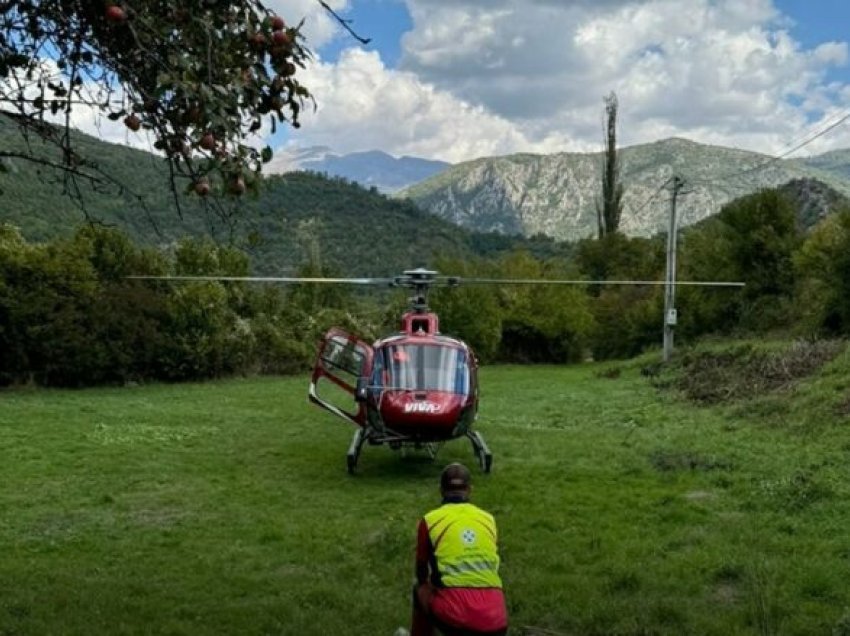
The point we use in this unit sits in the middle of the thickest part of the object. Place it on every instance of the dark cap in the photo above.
(455, 478)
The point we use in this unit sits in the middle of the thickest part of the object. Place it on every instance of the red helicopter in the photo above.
(414, 388)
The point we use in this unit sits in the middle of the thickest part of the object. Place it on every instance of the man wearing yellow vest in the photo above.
(458, 589)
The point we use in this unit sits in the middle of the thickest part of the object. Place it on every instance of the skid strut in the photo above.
(479, 447)
(354, 449)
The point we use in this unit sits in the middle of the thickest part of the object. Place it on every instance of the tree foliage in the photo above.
(627, 318)
(609, 210)
(822, 266)
(201, 76)
(469, 312)
(753, 240)
(64, 310)
(70, 317)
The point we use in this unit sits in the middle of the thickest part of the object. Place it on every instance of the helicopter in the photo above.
(413, 388)
(416, 387)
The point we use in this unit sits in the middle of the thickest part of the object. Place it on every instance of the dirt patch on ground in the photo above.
(710, 377)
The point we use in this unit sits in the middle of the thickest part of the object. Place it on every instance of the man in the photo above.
(458, 589)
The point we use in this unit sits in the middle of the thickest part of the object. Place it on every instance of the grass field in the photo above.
(225, 508)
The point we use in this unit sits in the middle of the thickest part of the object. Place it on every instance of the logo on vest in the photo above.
(468, 536)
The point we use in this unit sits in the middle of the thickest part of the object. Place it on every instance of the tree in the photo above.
(626, 316)
(470, 313)
(200, 75)
(610, 209)
(67, 316)
(541, 323)
(823, 266)
(752, 240)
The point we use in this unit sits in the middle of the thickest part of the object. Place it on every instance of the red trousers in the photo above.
(424, 622)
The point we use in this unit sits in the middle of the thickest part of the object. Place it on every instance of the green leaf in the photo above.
(266, 154)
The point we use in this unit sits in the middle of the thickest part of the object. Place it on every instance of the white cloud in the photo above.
(363, 105)
(489, 77)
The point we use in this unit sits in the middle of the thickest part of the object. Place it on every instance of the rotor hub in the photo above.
(420, 281)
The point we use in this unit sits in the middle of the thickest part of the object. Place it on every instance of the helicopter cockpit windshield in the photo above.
(425, 368)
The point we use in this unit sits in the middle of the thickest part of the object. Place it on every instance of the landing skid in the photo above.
(360, 437)
(482, 452)
(363, 435)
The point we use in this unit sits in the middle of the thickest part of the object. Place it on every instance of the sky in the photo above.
(458, 79)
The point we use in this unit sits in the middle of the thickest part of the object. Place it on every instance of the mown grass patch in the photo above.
(225, 508)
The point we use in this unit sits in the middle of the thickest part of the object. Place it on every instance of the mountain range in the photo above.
(372, 168)
(497, 201)
(556, 194)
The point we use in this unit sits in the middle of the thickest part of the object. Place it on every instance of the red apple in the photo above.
(133, 122)
(202, 187)
(115, 13)
(258, 40)
(207, 141)
(278, 24)
(281, 38)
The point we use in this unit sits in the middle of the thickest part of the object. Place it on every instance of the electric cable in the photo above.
(807, 139)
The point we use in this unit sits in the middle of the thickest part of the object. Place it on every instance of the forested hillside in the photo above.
(127, 188)
(296, 217)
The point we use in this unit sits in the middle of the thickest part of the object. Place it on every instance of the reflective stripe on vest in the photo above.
(464, 541)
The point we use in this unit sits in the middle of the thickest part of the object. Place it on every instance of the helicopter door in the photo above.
(342, 361)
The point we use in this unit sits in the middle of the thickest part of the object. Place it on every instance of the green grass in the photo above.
(225, 508)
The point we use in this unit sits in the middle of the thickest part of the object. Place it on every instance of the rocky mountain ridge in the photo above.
(556, 194)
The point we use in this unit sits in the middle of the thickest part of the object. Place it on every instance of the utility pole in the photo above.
(670, 280)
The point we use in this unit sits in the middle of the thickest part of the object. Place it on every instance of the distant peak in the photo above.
(675, 141)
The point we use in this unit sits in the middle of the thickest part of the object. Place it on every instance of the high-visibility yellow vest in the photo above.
(464, 540)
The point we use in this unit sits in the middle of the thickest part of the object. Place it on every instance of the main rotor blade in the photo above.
(537, 281)
(271, 279)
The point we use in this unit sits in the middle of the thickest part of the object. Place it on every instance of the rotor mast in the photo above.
(420, 281)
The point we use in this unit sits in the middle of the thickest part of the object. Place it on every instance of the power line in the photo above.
(652, 196)
(835, 118)
(806, 139)
(805, 142)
